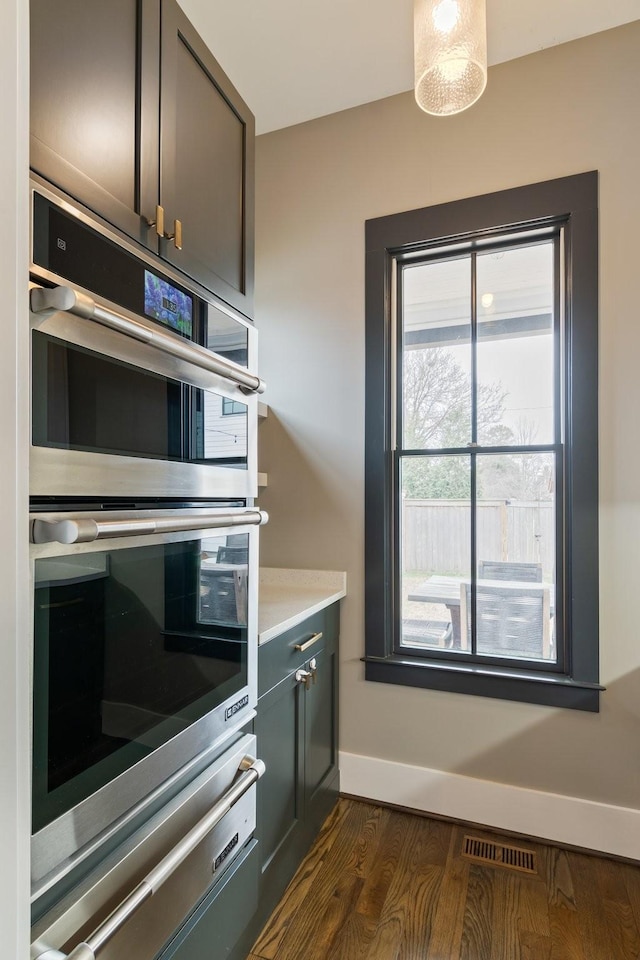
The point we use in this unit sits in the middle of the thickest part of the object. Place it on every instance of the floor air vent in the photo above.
(499, 854)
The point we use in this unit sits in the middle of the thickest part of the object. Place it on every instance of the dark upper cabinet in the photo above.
(130, 112)
(206, 164)
(94, 105)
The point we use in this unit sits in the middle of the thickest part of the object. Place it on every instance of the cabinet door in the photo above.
(280, 732)
(321, 736)
(94, 105)
(207, 165)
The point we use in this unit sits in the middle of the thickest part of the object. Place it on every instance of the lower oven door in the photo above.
(140, 895)
(145, 657)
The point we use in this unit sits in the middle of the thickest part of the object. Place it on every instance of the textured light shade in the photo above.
(450, 48)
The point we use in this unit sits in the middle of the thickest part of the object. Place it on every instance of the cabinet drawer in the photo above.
(279, 656)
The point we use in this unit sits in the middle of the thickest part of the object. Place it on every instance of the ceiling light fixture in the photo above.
(450, 50)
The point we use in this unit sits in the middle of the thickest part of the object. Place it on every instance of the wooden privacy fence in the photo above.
(436, 534)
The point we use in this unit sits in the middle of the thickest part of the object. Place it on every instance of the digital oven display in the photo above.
(168, 305)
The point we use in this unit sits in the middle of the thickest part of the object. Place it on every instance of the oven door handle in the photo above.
(68, 300)
(251, 770)
(87, 529)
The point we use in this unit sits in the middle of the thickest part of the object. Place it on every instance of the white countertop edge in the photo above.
(290, 596)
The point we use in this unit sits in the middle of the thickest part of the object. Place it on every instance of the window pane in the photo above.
(436, 365)
(516, 547)
(515, 346)
(435, 534)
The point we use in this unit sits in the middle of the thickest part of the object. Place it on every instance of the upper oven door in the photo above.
(140, 385)
(145, 649)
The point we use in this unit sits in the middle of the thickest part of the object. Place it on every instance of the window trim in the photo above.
(529, 211)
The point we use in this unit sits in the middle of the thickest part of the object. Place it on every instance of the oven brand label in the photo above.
(238, 705)
(227, 850)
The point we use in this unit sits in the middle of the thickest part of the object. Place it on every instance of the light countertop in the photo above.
(287, 597)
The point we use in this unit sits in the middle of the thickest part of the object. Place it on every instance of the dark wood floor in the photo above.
(384, 885)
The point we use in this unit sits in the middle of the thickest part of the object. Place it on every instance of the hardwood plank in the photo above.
(505, 942)
(425, 880)
(533, 907)
(419, 922)
(446, 937)
(533, 946)
(399, 902)
(477, 924)
(520, 915)
(376, 888)
(436, 848)
(566, 935)
(558, 878)
(631, 879)
(590, 916)
(623, 932)
(353, 941)
(337, 911)
(366, 846)
(618, 910)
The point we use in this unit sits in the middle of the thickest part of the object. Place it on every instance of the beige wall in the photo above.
(557, 112)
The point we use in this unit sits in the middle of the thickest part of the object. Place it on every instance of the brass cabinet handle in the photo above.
(308, 643)
(176, 236)
(158, 223)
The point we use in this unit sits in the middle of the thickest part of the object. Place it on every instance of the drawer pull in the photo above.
(308, 643)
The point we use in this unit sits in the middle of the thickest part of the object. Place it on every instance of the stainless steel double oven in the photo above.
(144, 547)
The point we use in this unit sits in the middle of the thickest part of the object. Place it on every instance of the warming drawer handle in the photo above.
(251, 771)
(68, 300)
(87, 529)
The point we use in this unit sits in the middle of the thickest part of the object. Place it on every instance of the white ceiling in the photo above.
(293, 60)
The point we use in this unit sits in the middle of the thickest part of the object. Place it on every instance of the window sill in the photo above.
(551, 690)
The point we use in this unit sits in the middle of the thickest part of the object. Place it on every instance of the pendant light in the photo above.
(450, 48)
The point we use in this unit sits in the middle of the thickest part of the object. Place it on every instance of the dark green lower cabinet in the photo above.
(297, 731)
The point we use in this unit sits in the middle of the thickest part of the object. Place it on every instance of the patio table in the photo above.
(446, 590)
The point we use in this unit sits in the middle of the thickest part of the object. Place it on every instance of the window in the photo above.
(481, 446)
(232, 407)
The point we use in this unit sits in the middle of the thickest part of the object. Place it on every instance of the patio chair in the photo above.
(512, 620)
(233, 554)
(510, 570)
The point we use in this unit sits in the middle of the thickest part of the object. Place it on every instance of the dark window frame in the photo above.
(529, 211)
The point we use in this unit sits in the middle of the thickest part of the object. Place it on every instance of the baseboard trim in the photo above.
(567, 821)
